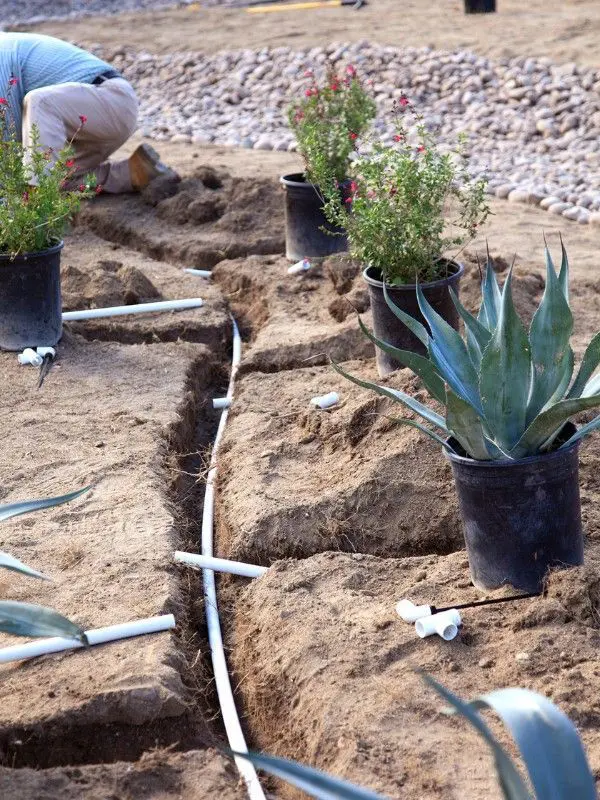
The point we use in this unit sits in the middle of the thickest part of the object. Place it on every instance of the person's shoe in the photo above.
(145, 165)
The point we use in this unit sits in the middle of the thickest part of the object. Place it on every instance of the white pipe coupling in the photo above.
(409, 612)
(29, 356)
(325, 400)
(221, 402)
(300, 266)
(445, 624)
(46, 351)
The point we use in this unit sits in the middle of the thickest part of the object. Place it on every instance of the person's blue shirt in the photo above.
(34, 61)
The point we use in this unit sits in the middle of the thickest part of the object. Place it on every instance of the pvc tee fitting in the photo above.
(300, 266)
(29, 356)
(325, 400)
(445, 624)
(409, 612)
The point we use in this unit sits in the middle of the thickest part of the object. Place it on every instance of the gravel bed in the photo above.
(533, 126)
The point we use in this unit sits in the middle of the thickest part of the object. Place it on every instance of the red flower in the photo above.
(404, 101)
(335, 87)
(421, 148)
(348, 200)
(98, 189)
(353, 187)
(350, 70)
(398, 137)
(353, 136)
(12, 81)
(82, 119)
(70, 163)
(309, 73)
(3, 101)
(82, 187)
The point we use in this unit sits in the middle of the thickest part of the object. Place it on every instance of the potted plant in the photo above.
(508, 397)
(410, 204)
(326, 122)
(35, 208)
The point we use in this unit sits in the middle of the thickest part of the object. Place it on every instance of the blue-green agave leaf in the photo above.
(397, 396)
(549, 335)
(513, 786)
(589, 363)
(566, 367)
(583, 431)
(421, 366)
(464, 424)
(547, 424)
(27, 619)
(563, 275)
(505, 376)
(479, 332)
(10, 562)
(312, 781)
(592, 387)
(9, 510)
(489, 311)
(548, 741)
(414, 326)
(449, 354)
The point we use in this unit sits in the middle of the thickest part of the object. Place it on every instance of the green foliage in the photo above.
(410, 203)
(328, 120)
(35, 208)
(505, 389)
(549, 744)
(27, 619)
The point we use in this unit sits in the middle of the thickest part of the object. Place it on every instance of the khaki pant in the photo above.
(111, 110)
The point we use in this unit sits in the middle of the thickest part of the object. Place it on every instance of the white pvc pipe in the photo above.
(409, 612)
(201, 273)
(42, 647)
(231, 720)
(45, 351)
(29, 356)
(221, 564)
(221, 402)
(140, 308)
(325, 400)
(445, 624)
(299, 266)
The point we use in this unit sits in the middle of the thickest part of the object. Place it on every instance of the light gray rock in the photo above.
(558, 208)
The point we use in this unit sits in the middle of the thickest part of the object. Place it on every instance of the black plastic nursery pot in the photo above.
(520, 518)
(304, 220)
(479, 6)
(390, 329)
(30, 299)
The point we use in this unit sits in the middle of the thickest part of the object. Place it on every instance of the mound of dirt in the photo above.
(326, 671)
(296, 481)
(198, 221)
(294, 320)
(97, 274)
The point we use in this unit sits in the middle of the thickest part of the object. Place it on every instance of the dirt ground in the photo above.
(565, 30)
(323, 667)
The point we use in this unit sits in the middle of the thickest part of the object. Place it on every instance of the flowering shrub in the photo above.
(409, 203)
(328, 120)
(35, 206)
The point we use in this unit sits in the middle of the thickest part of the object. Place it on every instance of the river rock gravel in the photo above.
(533, 126)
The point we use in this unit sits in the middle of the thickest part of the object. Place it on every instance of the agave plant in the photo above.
(28, 619)
(547, 740)
(508, 392)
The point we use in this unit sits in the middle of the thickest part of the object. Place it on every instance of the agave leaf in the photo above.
(473, 326)
(312, 781)
(566, 367)
(9, 510)
(563, 275)
(414, 326)
(414, 424)
(548, 741)
(512, 784)
(547, 424)
(398, 396)
(589, 363)
(592, 387)
(27, 619)
(489, 311)
(449, 354)
(422, 367)
(464, 424)
(549, 335)
(583, 431)
(505, 376)
(9, 562)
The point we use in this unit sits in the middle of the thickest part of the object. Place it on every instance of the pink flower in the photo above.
(352, 135)
(12, 81)
(309, 73)
(335, 87)
(371, 194)
(299, 116)
(99, 189)
(421, 148)
(348, 200)
(82, 187)
(398, 137)
(350, 70)
(404, 101)
(82, 119)
(3, 101)
(353, 187)
(70, 163)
